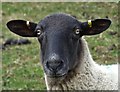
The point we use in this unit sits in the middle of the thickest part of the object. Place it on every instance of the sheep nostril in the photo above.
(55, 65)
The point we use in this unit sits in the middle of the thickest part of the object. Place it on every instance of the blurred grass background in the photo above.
(21, 67)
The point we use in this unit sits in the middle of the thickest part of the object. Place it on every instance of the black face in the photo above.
(59, 37)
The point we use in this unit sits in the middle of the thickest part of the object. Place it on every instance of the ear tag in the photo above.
(28, 23)
(90, 23)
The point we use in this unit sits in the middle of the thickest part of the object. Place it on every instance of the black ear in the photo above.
(22, 28)
(95, 26)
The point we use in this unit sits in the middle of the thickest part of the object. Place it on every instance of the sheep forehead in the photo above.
(61, 20)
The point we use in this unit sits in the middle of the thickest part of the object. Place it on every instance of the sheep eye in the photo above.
(39, 32)
(77, 31)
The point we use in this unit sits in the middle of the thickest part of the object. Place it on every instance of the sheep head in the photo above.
(58, 35)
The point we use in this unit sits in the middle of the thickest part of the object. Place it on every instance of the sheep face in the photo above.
(59, 36)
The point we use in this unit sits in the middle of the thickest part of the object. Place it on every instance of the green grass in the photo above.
(21, 67)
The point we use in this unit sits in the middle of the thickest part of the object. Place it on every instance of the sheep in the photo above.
(66, 59)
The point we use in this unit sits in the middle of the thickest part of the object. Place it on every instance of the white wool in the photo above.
(112, 70)
(88, 75)
(46, 82)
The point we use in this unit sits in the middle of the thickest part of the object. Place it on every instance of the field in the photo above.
(21, 68)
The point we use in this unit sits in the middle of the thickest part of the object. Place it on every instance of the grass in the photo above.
(21, 67)
(0, 50)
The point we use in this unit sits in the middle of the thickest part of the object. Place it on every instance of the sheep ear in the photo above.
(95, 26)
(22, 28)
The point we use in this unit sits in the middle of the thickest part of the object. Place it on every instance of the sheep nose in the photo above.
(54, 65)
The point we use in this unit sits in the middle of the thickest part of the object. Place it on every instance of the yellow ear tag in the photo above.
(89, 23)
(28, 23)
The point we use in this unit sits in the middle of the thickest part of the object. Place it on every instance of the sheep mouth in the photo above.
(56, 76)
(59, 74)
